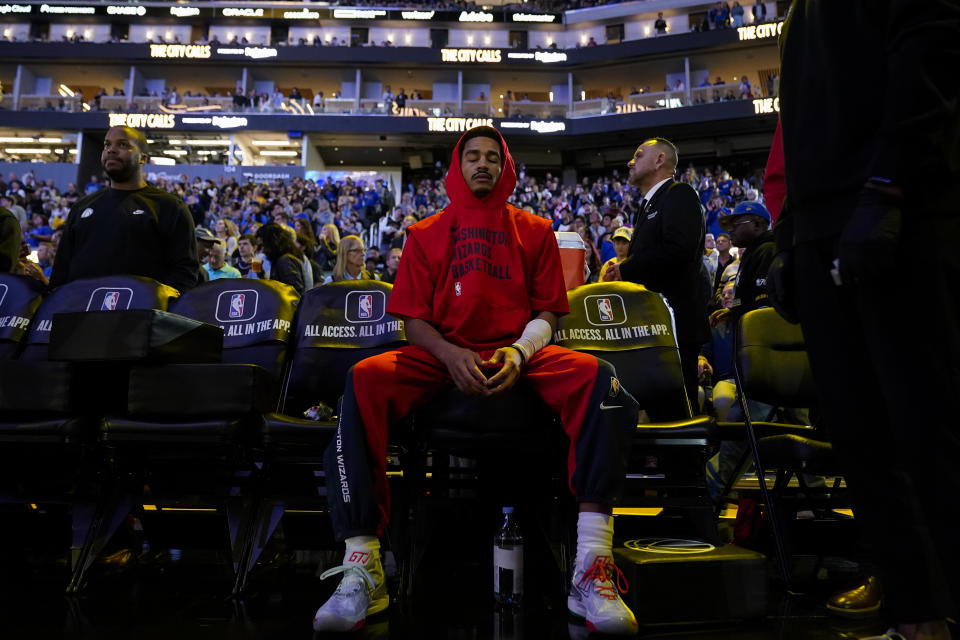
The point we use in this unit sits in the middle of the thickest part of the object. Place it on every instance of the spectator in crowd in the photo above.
(507, 101)
(226, 231)
(286, 261)
(724, 258)
(401, 102)
(10, 239)
(38, 230)
(749, 228)
(319, 104)
(736, 15)
(667, 247)
(45, 257)
(247, 262)
(759, 11)
(715, 364)
(501, 324)
(92, 186)
(308, 247)
(660, 25)
(216, 265)
(387, 98)
(392, 263)
(710, 255)
(746, 91)
(621, 244)
(108, 232)
(326, 254)
(350, 261)
(887, 395)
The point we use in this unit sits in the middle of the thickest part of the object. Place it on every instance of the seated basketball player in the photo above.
(479, 286)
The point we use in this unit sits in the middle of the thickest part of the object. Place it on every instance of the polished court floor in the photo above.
(180, 595)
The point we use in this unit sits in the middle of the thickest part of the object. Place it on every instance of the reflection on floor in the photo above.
(180, 595)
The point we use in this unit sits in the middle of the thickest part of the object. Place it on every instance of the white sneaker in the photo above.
(595, 596)
(362, 592)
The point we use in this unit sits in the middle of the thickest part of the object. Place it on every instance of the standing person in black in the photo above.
(666, 251)
(129, 227)
(872, 174)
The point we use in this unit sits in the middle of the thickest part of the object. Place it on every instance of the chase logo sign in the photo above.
(3, 293)
(237, 305)
(605, 310)
(365, 306)
(110, 299)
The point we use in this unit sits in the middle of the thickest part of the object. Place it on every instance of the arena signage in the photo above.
(303, 14)
(222, 122)
(197, 51)
(546, 57)
(417, 15)
(184, 12)
(537, 126)
(251, 52)
(143, 120)
(122, 10)
(471, 55)
(533, 17)
(760, 31)
(444, 125)
(359, 14)
(245, 12)
(15, 8)
(47, 8)
(766, 105)
(475, 16)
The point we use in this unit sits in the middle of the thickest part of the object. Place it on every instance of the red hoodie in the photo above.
(479, 270)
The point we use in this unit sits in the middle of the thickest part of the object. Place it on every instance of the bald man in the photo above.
(129, 227)
(666, 251)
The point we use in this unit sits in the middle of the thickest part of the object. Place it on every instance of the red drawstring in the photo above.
(600, 572)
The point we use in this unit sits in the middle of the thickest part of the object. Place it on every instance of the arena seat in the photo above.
(49, 409)
(633, 329)
(337, 325)
(771, 366)
(190, 430)
(20, 296)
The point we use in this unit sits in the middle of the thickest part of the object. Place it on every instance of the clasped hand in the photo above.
(466, 370)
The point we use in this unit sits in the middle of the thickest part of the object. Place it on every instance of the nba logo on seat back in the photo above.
(110, 300)
(236, 305)
(606, 309)
(366, 307)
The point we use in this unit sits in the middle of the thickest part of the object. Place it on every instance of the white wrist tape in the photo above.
(536, 335)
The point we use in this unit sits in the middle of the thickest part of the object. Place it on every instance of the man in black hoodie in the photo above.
(873, 174)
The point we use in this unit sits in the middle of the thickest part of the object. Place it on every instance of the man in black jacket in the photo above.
(873, 173)
(667, 248)
(749, 229)
(129, 227)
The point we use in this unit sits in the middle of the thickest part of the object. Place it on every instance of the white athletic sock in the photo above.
(594, 533)
(370, 544)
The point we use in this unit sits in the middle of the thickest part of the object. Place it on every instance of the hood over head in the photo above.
(457, 189)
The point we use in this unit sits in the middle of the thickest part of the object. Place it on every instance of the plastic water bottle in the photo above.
(508, 562)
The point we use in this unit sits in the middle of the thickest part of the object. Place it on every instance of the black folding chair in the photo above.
(191, 430)
(633, 329)
(771, 366)
(337, 325)
(49, 409)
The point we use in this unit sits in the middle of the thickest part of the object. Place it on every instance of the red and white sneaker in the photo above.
(362, 592)
(596, 597)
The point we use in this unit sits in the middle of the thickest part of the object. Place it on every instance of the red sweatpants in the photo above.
(392, 384)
